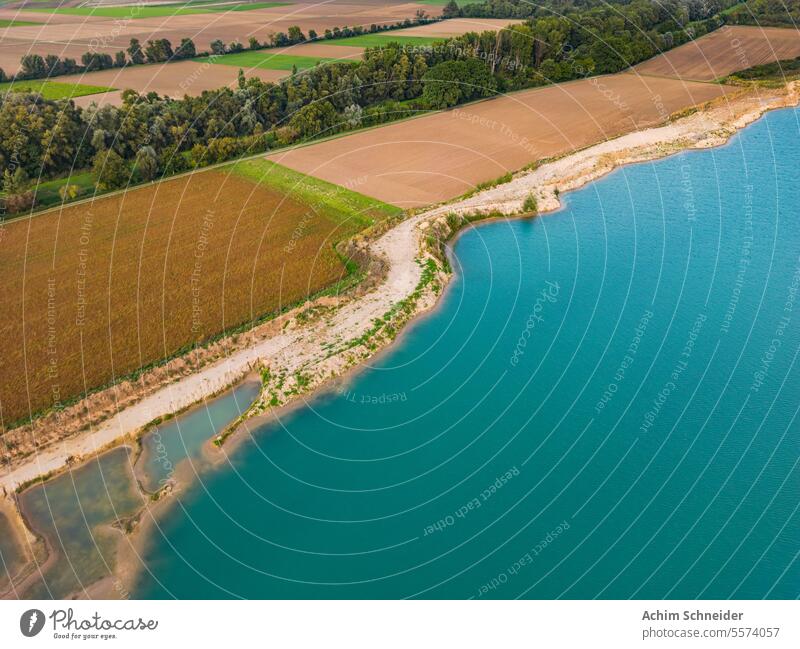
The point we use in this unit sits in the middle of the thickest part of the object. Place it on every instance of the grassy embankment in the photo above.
(770, 74)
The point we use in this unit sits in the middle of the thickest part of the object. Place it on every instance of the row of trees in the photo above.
(150, 135)
(34, 66)
(684, 11)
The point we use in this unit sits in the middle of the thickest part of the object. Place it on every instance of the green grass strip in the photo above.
(343, 206)
(381, 40)
(52, 89)
(15, 23)
(266, 61)
(47, 192)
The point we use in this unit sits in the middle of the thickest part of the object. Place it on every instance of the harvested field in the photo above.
(171, 79)
(724, 51)
(322, 50)
(111, 98)
(138, 12)
(69, 35)
(441, 156)
(458, 26)
(98, 290)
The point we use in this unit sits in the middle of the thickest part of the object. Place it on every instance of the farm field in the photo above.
(136, 12)
(15, 23)
(724, 51)
(442, 3)
(458, 26)
(101, 289)
(380, 40)
(440, 156)
(171, 79)
(72, 35)
(53, 89)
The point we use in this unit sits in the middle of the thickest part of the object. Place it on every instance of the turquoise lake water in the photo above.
(604, 405)
(183, 437)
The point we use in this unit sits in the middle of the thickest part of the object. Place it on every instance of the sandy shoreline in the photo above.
(305, 354)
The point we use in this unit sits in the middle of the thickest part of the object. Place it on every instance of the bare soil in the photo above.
(724, 51)
(458, 26)
(171, 79)
(444, 155)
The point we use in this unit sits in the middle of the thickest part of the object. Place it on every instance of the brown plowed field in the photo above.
(441, 156)
(68, 35)
(172, 79)
(725, 51)
(458, 26)
(100, 289)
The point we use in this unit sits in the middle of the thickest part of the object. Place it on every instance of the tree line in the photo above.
(151, 136)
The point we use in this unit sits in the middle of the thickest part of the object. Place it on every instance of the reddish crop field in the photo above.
(98, 290)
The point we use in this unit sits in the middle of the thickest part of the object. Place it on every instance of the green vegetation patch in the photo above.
(781, 71)
(266, 61)
(52, 89)
(55, 192)
(248, 6)
(15, 23)
(158, 11)
(381, 40)
(344, 206)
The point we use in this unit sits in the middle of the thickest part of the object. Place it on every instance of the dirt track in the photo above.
(441, 156)
(724, 51)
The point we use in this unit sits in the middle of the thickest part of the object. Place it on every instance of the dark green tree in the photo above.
(135, 53)
(146, 164)
(109, 170)
(315, 119)
(295, 34)
(186, 50)
(451, 10)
